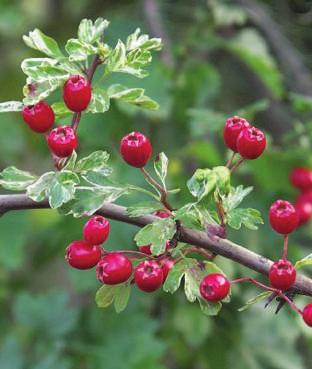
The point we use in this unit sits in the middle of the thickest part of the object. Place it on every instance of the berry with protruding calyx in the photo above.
(148, 276)
(232, 129)
(162, 214)
(83, 255)
(303, 207)
(96, 230)
(214, 287)
(146, 249)
(251, 143)
(136, 149)
(307, 315)
(114, 268)
(301, 178)
(62, 141)
(39, 117)
(166, 265)
(282, 274)
(283, 217)
(77, 93)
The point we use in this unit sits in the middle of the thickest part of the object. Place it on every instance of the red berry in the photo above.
(62, 141)
(283, 217)
(214, 287)
(303, 207)
(148, 276)
(39, 117)
(232, 129)
(282, 274)
(135, 149)
(166, 265)
(146, 249)
(251, 143)
(96, 230)
(77, 93)
(301, 178)
(162, 214)
(114, 268)
(307, 315)
(82, 255)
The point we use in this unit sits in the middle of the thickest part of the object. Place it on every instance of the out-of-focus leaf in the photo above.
(14, 179)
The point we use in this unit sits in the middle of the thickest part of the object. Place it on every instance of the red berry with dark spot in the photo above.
(251, 143)
(282, 274)
(96, 230)
(77, 93)
(166, 265)
(83, 255)
(136, 149)
(39, 117)
(307, 315)
(148, 276)
(283, 217)
(303, 207)
(146, 249)
(62, 141)
(214, 287)
(301, 178)
(232, 129)
(162, 214)
(114, 268)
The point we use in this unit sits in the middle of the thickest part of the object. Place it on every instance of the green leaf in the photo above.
(78, 50)
(144, 208)
(118, 294)
(306, 261)
(35, 91)
(39, 190)
(117, 58)
(263, 295)
(161, 167)
(61, 110)
(202, 183)
(14, 179)
(39, 41)
(223, 175)
(45, 69)
(135, 40)
(176, 274)
(121, 297)
(10, 106)
(71, 162)
(235, 197)
(93, 162)
(190, 216)
(247, 217)
(100, 101)
(156, 234)
(209, 308)
(89, 32)
(62, 189)
(105, 296)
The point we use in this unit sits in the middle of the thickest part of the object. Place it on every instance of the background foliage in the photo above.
(218, 60)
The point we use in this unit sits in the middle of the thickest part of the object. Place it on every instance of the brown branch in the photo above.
(214, 244)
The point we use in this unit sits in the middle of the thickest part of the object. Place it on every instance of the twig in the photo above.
(237, 164)
(285, 247)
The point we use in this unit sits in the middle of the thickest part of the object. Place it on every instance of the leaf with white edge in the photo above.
(35, 91)
(161, 167)
(39, 41)
(99, 177)
(156, 234)
(121, 298)
(117, 58)
(135, 41)
(189, 216)
(39, 190)
(10, 106)
(95, 161)
(223, 179)
(263, 295)
(209, 308)
(63, 188)
(99, 102)
(43, 69)
(235, 197)
(60, 109)
(90, 32)
(14, 179)
(248, 217)
(176, 274)
(144, 208)
(191, 285)
(202, 183)
(78, 50)
(306, 261)
(105, 296)
(71, 162)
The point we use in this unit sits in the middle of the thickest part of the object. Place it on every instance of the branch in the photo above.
(214, 244)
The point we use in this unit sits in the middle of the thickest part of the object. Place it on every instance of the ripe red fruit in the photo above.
(214, 287)
(166, 265)
(148, 276)
(39, 117)
(114, 268)
(232, 129)
(301, 178)
(307, 315)
(162, 214)
(146, 249)
(96, 230)
(251, 143)
(135, 149)
(282, 274)
(62, 141)
(82, 255)
(303, 207)
(283, 217)
(77, 93)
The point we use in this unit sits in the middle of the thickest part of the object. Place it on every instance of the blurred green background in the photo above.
(220, 58)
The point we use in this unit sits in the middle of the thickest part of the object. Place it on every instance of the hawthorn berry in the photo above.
(232, 129)
(77, 93)
(303, 207)
(214, 287)
(83, 255)
(62, 141)
(135, 149)
(39, 117)
(114, 268)
(251, 143)
(166, 265)
(307, 315)
(282, 274)
(162, 214)
(301, 178)
(283, 217)
(96, 230)
(148, 276)
(146, 249)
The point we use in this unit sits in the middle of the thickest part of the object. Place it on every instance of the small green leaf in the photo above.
(247, 217)
(235, 197)
(306, 261)
(223, 176)
(105, 296)
(14, 179)
(39, 190)
(135, 40)
(63, 188)
(78, 50)
(44, 69)
(190, 216)
(71, 162)
(100, 101)
(202, 183)
(144, 208)
(93, 162)
(175, 275)
(117, 58)
(61, 110)
(161, 167)
(39, 41)
(10, 106)
(121, 297)
(209, 308)
(255, 299)
(89, 32)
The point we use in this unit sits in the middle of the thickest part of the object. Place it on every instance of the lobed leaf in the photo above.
(248, 217)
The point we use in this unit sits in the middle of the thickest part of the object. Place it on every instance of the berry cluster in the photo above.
(301, 178)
